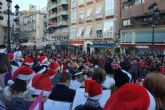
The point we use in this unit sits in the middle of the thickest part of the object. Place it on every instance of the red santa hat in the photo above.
(42, 59)
(23, 73)
(92, 89)
(41, 82)
(131, 97)
(11, 56)
(28, 61)
(51, 73)
(54, 65)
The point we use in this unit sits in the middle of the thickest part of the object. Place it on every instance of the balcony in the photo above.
(89, 1)
(81, 3)
(63, 13)
(62, 2)
(109, 13)
(54, 15)
(52, 6)
(62, 23)
(89, 18)
(81, 20)
(99, 16)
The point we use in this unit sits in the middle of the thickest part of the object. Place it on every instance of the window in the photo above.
(99, 9)
(127, 22)
(73, 16)
(109, 7)
(126, 5)
(73, 3)
(89, 12)
(109, 28)
(88, 31)
(80, 32)
(126, 37)
(99, 30)
(81, 16)
(139, 1)
(73, 32)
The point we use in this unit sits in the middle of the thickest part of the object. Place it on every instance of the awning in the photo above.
(77, 43)
(101, 46)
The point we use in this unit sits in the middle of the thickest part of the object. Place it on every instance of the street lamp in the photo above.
(8, 23)
(155, 16)
(17, 20)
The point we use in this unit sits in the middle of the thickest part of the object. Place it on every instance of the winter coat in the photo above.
(62, 93)
(20, 104)
(89, 105)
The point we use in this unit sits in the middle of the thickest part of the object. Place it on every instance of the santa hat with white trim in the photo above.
(92, 89)
(41, 82)
(131, 97)
(28, 61)
(51, 73)
(22, 73)
(42, 59)
(55, 65)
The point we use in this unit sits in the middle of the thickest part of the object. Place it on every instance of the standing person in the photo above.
(62, 92)
(18, 57)
(134, 70)
(107, 66)
(93, 92)
(5, 65)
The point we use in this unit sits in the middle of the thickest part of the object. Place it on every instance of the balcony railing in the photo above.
(89, 1)
(109, 13)
(62, 2)
(62, 23)
(81, 20)
(81, 2)
(63, 12)
(89, 18)
(54, 15)
(99, 16)
(52, 6)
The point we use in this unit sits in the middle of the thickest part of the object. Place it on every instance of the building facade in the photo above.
(58, 19)
(136, 29)
(93, 23)
(34, 24)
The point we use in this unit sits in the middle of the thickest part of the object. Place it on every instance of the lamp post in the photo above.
(155, 16)
(8, 23)
(17, 20)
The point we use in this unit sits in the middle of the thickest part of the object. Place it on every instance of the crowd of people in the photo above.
(81, 81)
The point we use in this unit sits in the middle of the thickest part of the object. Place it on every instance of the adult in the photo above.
(131, 97)
(5, 64)
(155, 84)
(93, 92)
(62, 92)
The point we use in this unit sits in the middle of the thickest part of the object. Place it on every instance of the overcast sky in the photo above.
(24, 4)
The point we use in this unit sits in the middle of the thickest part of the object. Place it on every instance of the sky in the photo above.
(24, 4)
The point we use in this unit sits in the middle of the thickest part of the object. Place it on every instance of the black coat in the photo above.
(62, 93)
(89, 105)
